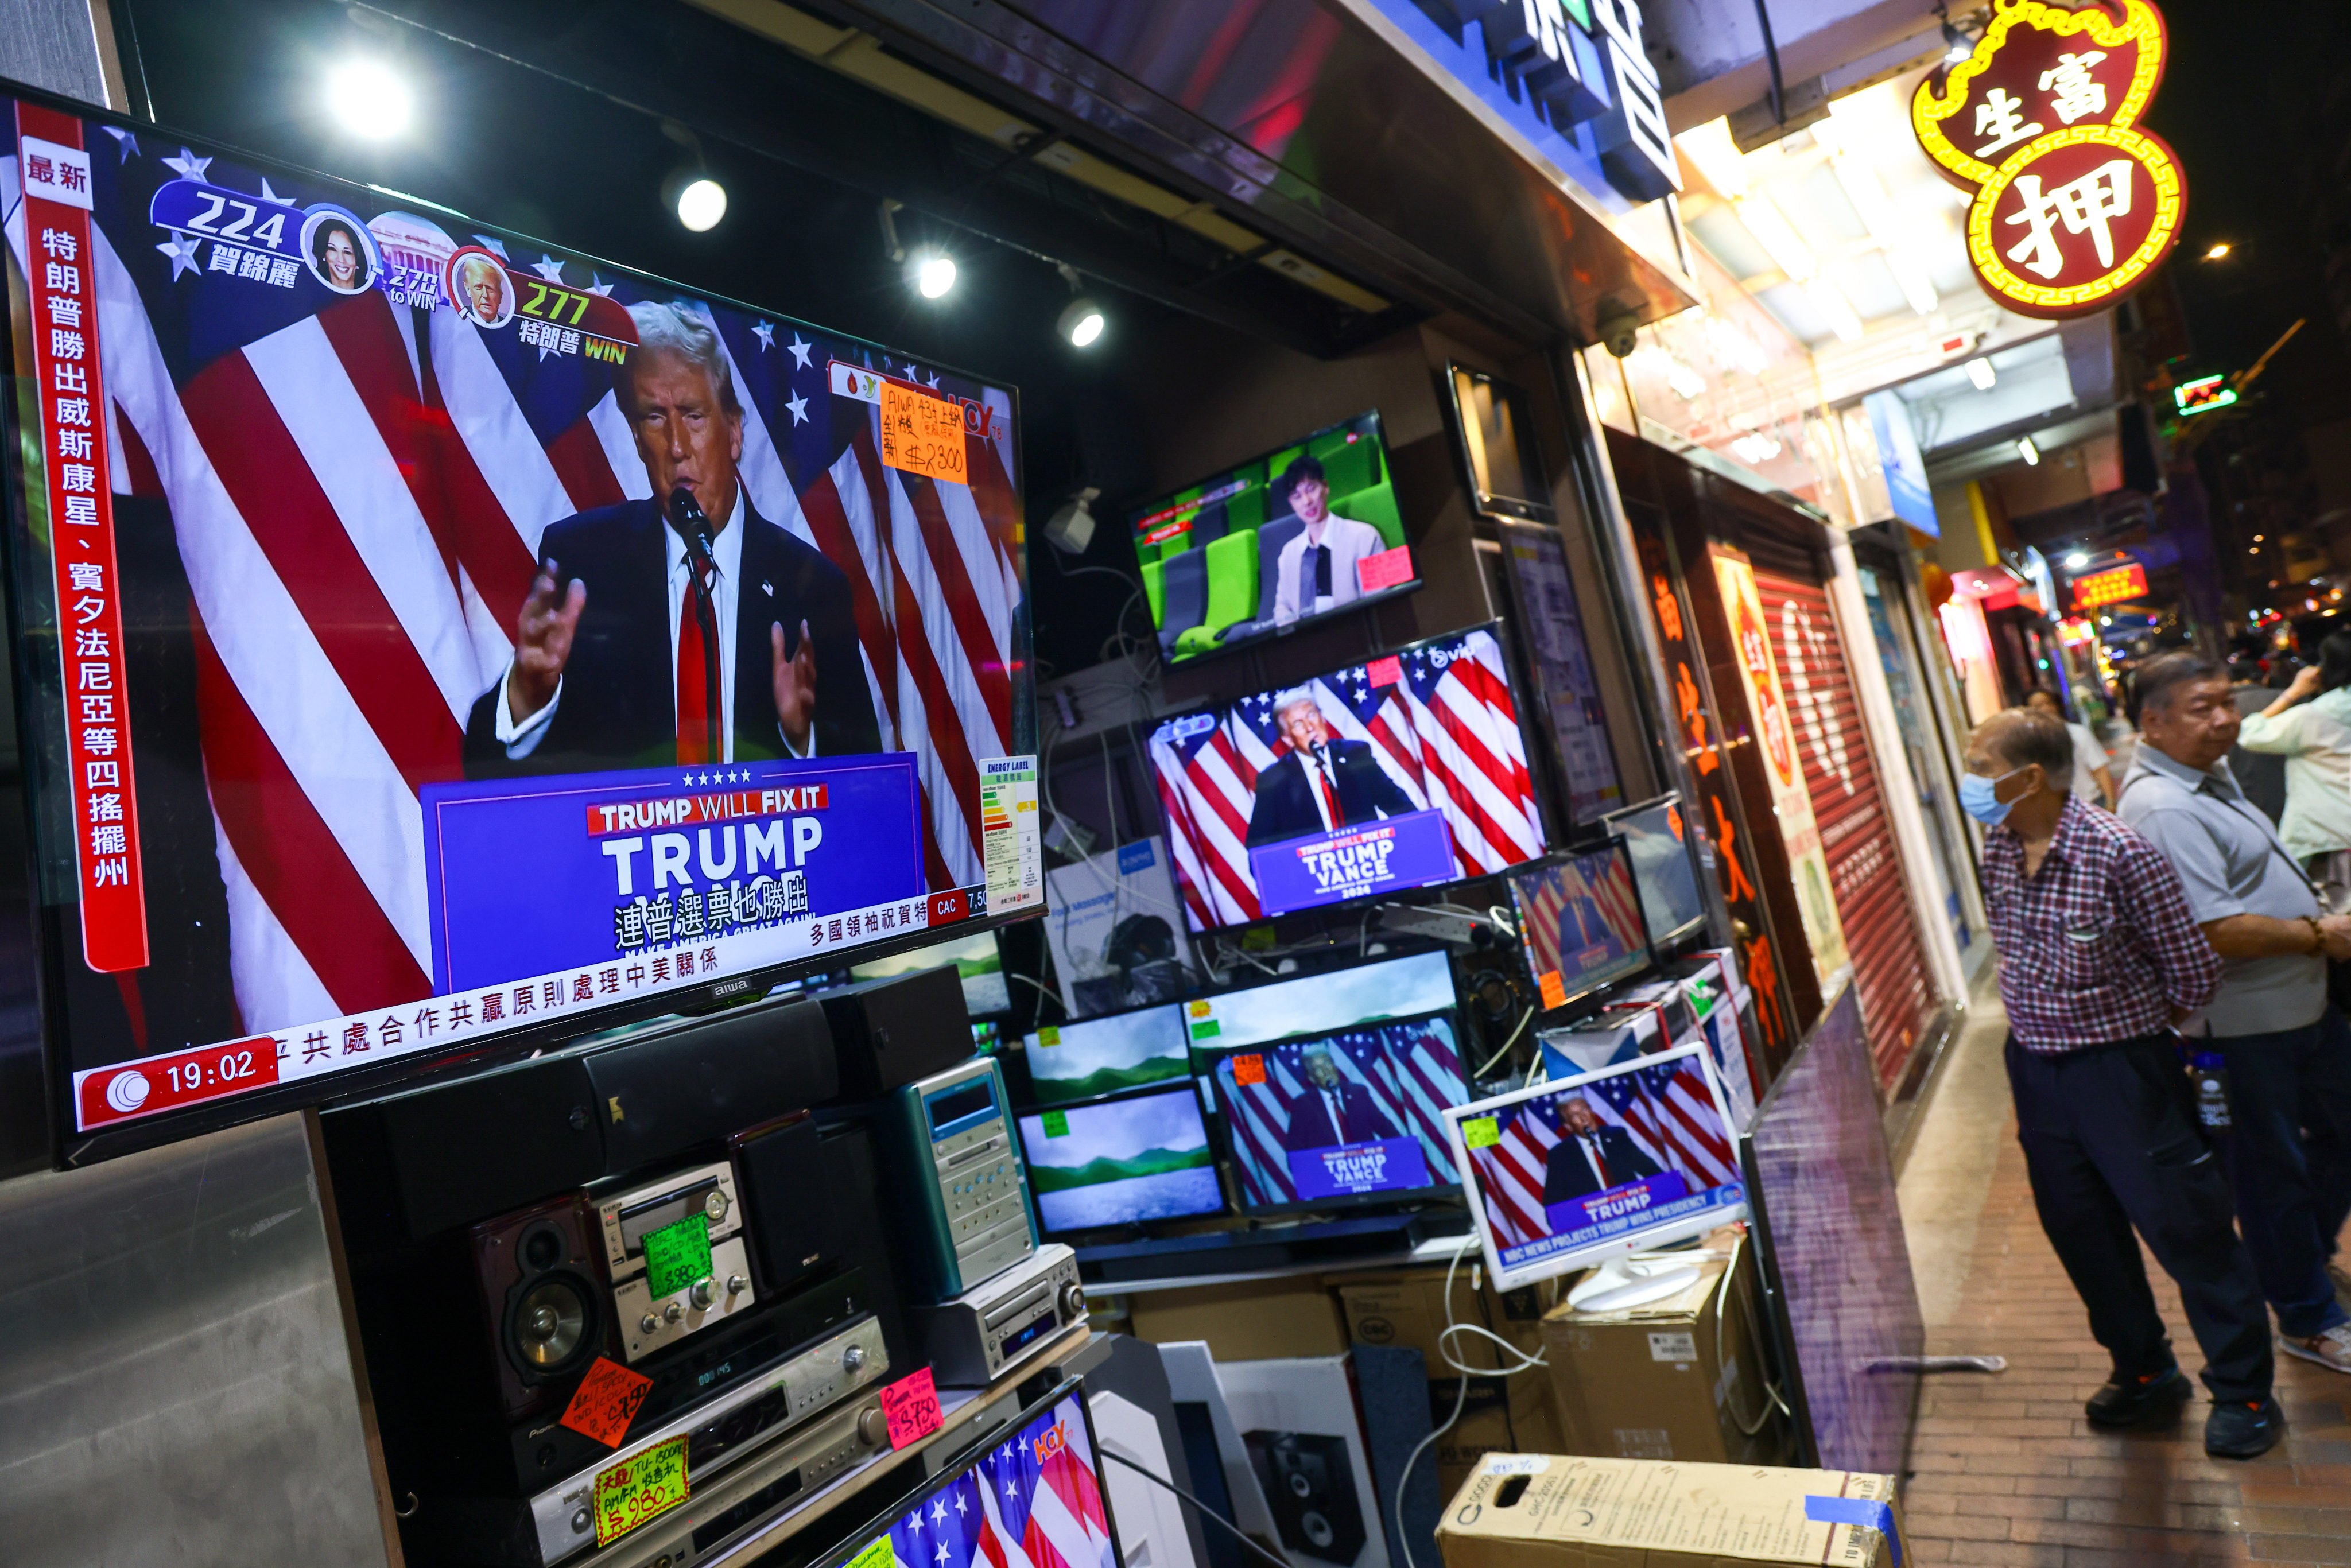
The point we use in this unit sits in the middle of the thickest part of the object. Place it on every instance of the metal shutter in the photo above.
(1866, 867)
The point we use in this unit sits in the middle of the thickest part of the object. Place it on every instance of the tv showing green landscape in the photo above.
(1121, 1162)
(1110, 1055)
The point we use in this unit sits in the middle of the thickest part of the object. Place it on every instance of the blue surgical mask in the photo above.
(1979, 798)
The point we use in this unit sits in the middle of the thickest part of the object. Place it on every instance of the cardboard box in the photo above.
(1680, 1379)
(1529, 1511)
(1501, 1412)
(1254, 1319)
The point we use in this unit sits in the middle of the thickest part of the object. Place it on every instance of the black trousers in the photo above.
(2111, 1144)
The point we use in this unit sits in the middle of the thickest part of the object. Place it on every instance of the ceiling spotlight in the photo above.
(1980, 372)
(933, 274)
(701, 203)
(368, 99)
(2029, 453)
(1956, 47)
(2076, 561)
(2218, 251)
(1081, 322)
(1071, 526)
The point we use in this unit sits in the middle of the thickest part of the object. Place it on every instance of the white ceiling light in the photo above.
(2029, 453)
(1778, 237)
(701, 203)
(368, 99)
(1980, 372)
(1831, 303)
(2076, 561)
(1867, 194)
(1082, 323)
(933, 274)
(1711, 151)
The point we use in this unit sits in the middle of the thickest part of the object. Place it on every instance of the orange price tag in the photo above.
(1554, 991)
(639, 1489)
(1388, 568)
(1249, 1069)
(1387, 672)
(912, 1407)
(923, 434)
(606, 1401)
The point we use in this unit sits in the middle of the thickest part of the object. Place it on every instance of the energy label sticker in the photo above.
(1011, 841)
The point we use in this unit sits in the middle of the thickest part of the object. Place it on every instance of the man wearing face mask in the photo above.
(2286, 1053)
(2100, 958)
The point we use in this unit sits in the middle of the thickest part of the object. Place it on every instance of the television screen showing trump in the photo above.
(1407, 771)
(431, 634)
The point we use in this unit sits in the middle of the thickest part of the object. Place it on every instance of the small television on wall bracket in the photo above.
(1495, 428)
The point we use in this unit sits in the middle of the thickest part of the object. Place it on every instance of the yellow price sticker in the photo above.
(1049, 1035)
(1481, 1133)
(880, 1555)
(639, 1489)
(923, 434)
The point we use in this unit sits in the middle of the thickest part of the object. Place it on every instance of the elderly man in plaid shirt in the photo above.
(2100, 957)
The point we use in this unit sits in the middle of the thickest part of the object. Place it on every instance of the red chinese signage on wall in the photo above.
(2116, 585)
(2073, 206)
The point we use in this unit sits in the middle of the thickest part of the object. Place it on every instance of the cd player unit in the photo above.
(961, 1190)
(973, 1339)
(672, 1255)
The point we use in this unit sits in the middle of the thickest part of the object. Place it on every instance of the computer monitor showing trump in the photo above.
(1405, 772)
(1304, 531)
(1565, 1174)
(462, 636)
(1343, 1118)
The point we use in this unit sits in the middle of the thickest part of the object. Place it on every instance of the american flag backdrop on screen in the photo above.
(1666, 1110)
(1034, 1501)
(1440, 720)
(1412, 1072)
(1551, 896)
(358, 490)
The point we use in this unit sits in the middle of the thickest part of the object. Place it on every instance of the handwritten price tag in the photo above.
(880, 1555)
(1554, 990)
(1248, 1071)
(923, 434)
(1389, 569)
(1482, 1132)
(639, 1489)
(606, 1401)
(1387, 672)
(912, 1407)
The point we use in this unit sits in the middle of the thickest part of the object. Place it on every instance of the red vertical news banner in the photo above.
(61, 279)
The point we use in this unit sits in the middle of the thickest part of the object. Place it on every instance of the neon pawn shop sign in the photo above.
(2074, 205)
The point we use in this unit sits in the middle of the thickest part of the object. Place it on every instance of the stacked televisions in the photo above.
(1319, 1093)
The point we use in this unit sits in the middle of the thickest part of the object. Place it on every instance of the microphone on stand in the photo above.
(693, 527)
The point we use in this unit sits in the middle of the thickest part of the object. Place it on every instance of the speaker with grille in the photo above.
(541, 1299)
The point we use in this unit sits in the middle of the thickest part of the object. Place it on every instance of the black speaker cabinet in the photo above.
(1311, 1488)
(893, 1031)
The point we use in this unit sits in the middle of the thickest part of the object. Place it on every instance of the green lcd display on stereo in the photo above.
(963, 1193)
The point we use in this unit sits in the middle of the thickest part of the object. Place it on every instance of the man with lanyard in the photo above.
(2099, 959)
(2287, 1053)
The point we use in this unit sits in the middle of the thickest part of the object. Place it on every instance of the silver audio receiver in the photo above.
(973, 1338)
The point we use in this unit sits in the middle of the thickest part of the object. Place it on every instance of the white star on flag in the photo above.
(1011, 1488)
(495, 246)
(960, 1506)
(939, 1509)
(943, 1553)
(187, 165)
(598, 288)
(915, 1520)
(798, 405)
(123, 138)
(765, 332)
(181, 249)
(800, 350)
(935, 379)
(272, 197)
(549, 268)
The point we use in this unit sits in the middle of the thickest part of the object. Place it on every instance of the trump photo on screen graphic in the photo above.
(1590, 1157)
(644, 612)
(1333, 1112)
(1323, 783)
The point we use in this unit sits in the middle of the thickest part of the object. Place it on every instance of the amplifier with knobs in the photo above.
(672, 1255)
(972, 1339)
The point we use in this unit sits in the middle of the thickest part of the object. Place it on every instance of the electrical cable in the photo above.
(1772, 57)
(1461, 1394)
(1526, 1019)
(1202, 1509)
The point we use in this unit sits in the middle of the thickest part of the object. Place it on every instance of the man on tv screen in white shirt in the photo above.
(1316, 571)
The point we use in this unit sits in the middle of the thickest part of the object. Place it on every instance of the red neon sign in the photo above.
(2116, 585)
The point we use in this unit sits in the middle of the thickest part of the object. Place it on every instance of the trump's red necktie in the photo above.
(698, 737)
(1321, 769)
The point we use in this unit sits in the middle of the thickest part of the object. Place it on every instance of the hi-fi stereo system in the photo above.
(682, 1242)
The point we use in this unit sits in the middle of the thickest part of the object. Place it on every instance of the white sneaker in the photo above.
(2331, 1349)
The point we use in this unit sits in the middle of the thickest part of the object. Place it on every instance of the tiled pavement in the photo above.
(2007, 1471)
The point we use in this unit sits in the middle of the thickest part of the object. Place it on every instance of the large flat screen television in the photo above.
(1657, 836)
(1121, 1162)
(1342, 1119)
(1305, 530)
(359, 731)
(1407, 771)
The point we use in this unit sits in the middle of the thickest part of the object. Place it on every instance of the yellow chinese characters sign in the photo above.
(2073, 206)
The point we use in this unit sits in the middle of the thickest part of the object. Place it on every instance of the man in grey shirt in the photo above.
(2287, 1052)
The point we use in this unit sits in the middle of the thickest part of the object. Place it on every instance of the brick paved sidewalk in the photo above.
(2007, 1471)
